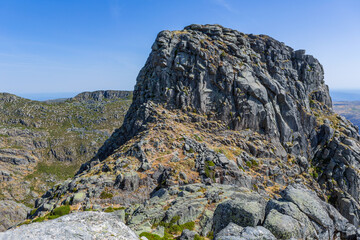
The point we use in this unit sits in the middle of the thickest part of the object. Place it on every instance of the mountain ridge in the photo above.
(221, 122)
(215, 106)
(42, 143)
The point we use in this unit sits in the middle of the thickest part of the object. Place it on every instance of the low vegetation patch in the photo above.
(111, 209)
(151, 236)
(61, 171)
(106, 195)
(208, 171)
(252, 163)
(60, 211)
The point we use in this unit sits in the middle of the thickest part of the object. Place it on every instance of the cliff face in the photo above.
(215, 106)
(246, 81)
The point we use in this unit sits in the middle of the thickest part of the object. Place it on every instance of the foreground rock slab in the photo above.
(82, 225)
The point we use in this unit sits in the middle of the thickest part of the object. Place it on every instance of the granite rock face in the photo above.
(216, 106)
(102, 95)
(250, 82)
(235, 232)
(84, 225)
(243, 80)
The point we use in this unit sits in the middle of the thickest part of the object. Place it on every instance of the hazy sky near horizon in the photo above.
(85, 45)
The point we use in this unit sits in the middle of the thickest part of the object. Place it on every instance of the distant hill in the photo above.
(349, 109)
(45, 142)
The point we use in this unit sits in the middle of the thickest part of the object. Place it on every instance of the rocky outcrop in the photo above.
(243, 211)
(84, 225)
(250, 82)
(235, 232)
(243, 80)
(102, 95)
(215, 106)
(300, 214)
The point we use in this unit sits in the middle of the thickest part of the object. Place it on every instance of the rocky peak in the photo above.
(214, 108)
(214, 70)
(246, 81)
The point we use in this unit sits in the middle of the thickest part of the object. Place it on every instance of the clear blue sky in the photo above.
(49, 46)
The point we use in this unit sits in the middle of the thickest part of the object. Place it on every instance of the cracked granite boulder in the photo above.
(85, 225)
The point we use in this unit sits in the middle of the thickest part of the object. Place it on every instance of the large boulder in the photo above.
(302, 214)
(82, 225)
(283, 226)
(285, 220)
(235, 232)
(246, 210)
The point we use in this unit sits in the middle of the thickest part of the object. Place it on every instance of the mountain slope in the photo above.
(215, 108)
(43, 143)
(350, 110)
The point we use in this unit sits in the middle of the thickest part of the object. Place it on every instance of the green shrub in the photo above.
(90, 210)
(210, 235)
(39, 219)
(150, 236)
(61, 211)
(24, 223)
(174, 220)
(197, 138)
(33, 211)
(191, 150)
(208, 172)
(197, 237)
(106, 195)
(211, 163)
(174, 229)
(177, 229)
(109, 209)
(188, 225)
(252, 163)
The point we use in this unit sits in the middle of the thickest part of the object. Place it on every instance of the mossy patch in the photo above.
(106, 195)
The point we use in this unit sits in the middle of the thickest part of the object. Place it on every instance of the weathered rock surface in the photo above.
(235, 232)
(300, 214)
(82, 225)
(11, 213)
(213, 106)
(102, 95)
(246, 210)
(191, 203)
